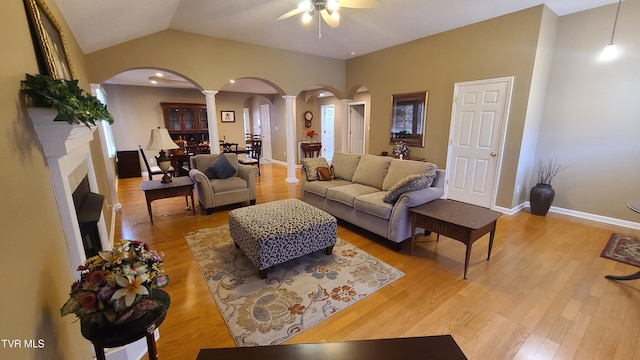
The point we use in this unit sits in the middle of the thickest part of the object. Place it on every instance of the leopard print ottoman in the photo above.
(275, 232)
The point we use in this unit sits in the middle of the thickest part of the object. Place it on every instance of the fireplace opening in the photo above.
(88, 207)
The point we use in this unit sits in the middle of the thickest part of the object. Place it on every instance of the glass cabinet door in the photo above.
(189, 116)
(202, 116)
(173, 115)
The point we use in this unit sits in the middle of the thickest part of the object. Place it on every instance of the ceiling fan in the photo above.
(327, 9)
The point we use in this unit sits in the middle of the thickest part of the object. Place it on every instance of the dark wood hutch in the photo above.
(187, 122)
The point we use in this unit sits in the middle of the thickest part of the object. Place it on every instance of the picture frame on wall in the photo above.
(50, 40)
(228, 116)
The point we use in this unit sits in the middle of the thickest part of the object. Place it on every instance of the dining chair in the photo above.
(152, 170)
(253, 155)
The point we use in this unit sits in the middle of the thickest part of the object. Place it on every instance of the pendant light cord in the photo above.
(615, 22)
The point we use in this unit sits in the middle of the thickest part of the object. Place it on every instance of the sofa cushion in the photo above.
(220, 168)
(409, 183)
(373, 204)
(311, 166)
(372, 170)
(346, 194)
(400, 169)
(344, 165)
(320, 187)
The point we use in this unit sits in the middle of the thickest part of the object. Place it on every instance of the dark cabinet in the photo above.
(128, 164)
(182, 118)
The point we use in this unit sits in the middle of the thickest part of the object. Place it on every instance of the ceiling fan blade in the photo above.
(290, 13)
(330, 20)
(359, 4)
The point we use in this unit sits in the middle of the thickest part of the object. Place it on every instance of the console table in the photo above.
(457, 220)
(417, 348)
(633, 205)
(311, 149)
(156, 189)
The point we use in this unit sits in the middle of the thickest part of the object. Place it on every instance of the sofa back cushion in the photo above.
(203, 161)
(400, 169)
(371, 170)
(344, 165)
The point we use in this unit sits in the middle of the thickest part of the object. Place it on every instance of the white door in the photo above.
(265, 131)
(478, 124)
(356, 128)
(327, 137)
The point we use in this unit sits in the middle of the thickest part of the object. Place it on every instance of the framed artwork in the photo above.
(228, 116)
(50, 41)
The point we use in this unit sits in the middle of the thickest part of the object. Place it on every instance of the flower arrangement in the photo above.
(115, 286)
(311, 133)
(400, 148)
(547, 170)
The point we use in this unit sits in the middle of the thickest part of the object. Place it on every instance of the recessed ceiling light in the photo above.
(232, 81)
(353, 53)
(154, 82)
(159, 74)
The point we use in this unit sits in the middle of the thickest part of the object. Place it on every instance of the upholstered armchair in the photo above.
(221, 182)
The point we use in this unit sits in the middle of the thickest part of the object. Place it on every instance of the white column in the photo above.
(212, 118)
(291, 140)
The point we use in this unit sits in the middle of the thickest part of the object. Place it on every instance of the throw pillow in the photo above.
(371, 170)
(324, 173)
(311, 166)
(409, 183)
(221, 168)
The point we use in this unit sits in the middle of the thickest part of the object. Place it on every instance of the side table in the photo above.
(111, 336)
(156, 189)
(457, 220)
(633, 205)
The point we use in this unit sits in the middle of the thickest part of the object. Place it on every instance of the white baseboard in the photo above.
(574, 213)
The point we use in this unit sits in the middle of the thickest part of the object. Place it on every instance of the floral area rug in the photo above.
(295, 295)
(624, 249)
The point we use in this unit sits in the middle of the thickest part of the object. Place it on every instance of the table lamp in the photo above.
(161, 140)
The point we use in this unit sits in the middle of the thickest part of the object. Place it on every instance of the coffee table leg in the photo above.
(491, 235)
(151, 347)
(328, 250)
(149, 210)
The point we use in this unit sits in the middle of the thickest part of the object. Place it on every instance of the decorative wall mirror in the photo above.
(409, 118)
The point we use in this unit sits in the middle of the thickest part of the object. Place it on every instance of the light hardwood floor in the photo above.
(541, 296)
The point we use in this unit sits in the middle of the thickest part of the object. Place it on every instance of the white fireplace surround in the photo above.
(66, 148)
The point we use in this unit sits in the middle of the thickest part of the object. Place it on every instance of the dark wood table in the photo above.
(311, 149)
(156, 189)
(110, 336)
(417, 348)
(457, 220)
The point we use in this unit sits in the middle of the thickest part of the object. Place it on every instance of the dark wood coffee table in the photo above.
(417, 348)
(457, 220)
(156, 189)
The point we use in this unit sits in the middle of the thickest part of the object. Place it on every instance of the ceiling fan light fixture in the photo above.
(333, 5)
(335, 15)
(304, 5)
(306, 18)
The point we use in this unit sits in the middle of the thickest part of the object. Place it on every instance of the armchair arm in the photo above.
(204, 192)
(248, 173)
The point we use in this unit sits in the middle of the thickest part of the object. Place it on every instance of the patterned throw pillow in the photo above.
(409, 183)
(311, 166)
(221, 168)
(324, 173)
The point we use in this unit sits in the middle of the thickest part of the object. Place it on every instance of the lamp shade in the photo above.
(160, 140)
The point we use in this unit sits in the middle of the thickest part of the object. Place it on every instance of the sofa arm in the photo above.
(202, 185)
(399, 222)
(248, 173)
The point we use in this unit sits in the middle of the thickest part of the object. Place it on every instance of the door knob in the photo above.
(493, 154)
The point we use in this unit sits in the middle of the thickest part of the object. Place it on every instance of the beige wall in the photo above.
(37, 274)
(500, 47)
(590, 121)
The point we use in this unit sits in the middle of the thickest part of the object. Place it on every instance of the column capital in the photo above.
(289, 97)
(211, 93)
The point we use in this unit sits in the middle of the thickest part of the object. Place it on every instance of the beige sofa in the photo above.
(214, 192)
(358, 188)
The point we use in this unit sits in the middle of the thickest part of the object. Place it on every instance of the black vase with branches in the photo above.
(542, 195)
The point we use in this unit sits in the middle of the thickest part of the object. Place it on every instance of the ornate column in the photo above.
(212, 119)
(291, 140)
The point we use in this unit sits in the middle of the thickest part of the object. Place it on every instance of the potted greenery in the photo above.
(541, 195)
(74, 105)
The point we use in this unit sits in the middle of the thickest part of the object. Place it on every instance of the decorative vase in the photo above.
(540, 198)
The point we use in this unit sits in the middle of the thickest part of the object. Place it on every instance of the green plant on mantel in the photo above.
(74, 105)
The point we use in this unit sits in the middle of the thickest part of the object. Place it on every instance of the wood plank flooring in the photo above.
(541, 296)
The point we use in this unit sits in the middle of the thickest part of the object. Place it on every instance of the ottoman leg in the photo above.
(328, 250)
(236, 244)
(263, 273)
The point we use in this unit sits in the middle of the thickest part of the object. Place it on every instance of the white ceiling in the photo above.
(99, 24)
